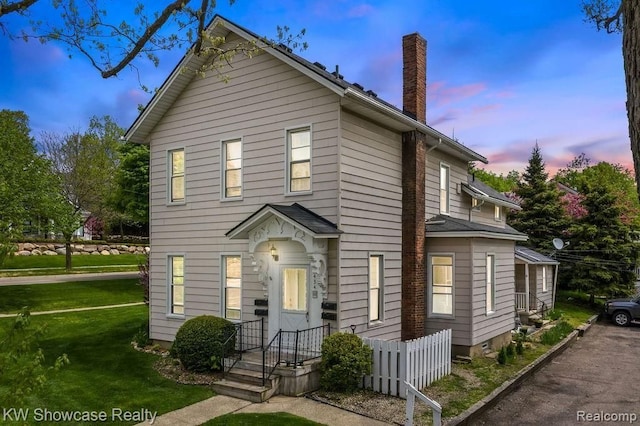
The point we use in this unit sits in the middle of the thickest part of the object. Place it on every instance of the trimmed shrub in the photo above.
(502, 356)
(345, 359)
(511, 351)
(199, 343)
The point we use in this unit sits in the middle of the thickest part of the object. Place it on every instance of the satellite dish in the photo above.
(558, 243)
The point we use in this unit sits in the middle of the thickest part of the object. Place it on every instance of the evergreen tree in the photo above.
(542, 216)
(606, 255)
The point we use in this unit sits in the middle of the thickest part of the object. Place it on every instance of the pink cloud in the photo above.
(360, 11)
(441, 94)
(29, 53)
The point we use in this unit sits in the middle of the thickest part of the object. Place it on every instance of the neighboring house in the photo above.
(536, 277)
(291, 194)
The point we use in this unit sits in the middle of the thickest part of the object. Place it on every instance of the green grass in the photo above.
(260, 419)
(51, 262)
(105, 371)
(47, 297)
(19, 266)
(574, 314)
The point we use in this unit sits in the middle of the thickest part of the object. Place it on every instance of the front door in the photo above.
(294, 298)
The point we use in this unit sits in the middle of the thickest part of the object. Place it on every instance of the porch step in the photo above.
(246, 391)
(250, 377)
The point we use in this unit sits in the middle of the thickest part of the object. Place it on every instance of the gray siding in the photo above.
(370, 216)
(459, 202)
(263, 97)
(486, 326)
(460, 324)
(485, 214)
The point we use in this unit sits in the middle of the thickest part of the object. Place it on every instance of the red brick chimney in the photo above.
(414, 76)
(413, 314)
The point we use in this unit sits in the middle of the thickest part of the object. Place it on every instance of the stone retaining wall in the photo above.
(54, 249)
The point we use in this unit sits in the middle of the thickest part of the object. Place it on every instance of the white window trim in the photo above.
(223, 176)
(493, 284)
(381, 304)
(545, 287)
(223, 266)
(430, 313)
(169, 283)
(497, 213)
(448, 186)
(169, 172)
(287, 172)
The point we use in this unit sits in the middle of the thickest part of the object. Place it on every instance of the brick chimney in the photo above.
(413, 314)
(414, 76)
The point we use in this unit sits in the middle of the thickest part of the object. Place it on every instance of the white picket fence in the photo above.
(419, 362)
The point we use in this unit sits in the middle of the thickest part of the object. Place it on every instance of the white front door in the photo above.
(294, 297)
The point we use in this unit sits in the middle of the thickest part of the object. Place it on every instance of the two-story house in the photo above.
(290, 193)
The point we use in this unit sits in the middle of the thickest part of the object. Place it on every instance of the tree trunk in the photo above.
(67, 256)
(631, 56)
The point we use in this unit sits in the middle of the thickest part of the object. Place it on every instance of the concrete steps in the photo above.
(244, 381)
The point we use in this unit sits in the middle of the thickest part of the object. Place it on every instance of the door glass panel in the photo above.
(294, 289)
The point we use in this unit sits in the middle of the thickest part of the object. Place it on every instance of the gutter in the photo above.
(394, 113)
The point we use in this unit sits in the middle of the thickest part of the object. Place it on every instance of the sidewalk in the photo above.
(49, 279)
(89, 308)
(219, 405)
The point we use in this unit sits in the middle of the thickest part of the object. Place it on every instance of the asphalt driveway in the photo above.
(596, 380)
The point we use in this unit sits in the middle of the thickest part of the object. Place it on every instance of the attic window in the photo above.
(497, 213)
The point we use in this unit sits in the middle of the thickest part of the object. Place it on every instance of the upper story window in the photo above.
(176, 285)
(231, 169)
(376, 282)
(441, 285)
(444, 189)
(497, 213)
(176, 176)
(299, 160)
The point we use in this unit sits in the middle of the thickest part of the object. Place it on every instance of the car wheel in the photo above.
(621, 318)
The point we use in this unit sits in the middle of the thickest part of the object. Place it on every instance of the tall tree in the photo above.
(499, 182)
(95, 29)
(542, 216)
(24, 178)
(604, 253)
(624, 16)
(131, 197)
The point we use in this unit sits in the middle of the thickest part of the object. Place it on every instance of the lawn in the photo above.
(47, 297)
(53, 265)
(260, 419)
(105, 372)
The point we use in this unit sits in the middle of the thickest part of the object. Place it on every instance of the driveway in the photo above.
(597, 378)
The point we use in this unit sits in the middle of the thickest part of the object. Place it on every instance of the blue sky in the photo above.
(501, 75)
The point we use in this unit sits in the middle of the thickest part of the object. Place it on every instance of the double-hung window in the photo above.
(544, 278)
(232, 287)
(491, 283)
(176, 285)
(441, 285)
(299, 160)
(376, 285)
(444, 189)
(231, 169)
(176, 176)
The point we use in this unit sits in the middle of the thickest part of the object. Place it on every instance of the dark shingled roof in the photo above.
(305, 217)
(532, 256)
(478, 185)
(300, 215)
(447, 224)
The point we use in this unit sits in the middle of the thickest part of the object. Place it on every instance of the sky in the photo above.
(501, 75)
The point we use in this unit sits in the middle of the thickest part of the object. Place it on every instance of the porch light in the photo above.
(274, 252)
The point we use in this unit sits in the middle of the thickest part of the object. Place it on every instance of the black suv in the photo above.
(623, 311)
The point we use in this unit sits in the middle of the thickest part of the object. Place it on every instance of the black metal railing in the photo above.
(539, 305)
(292, 348)
(248, 335)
